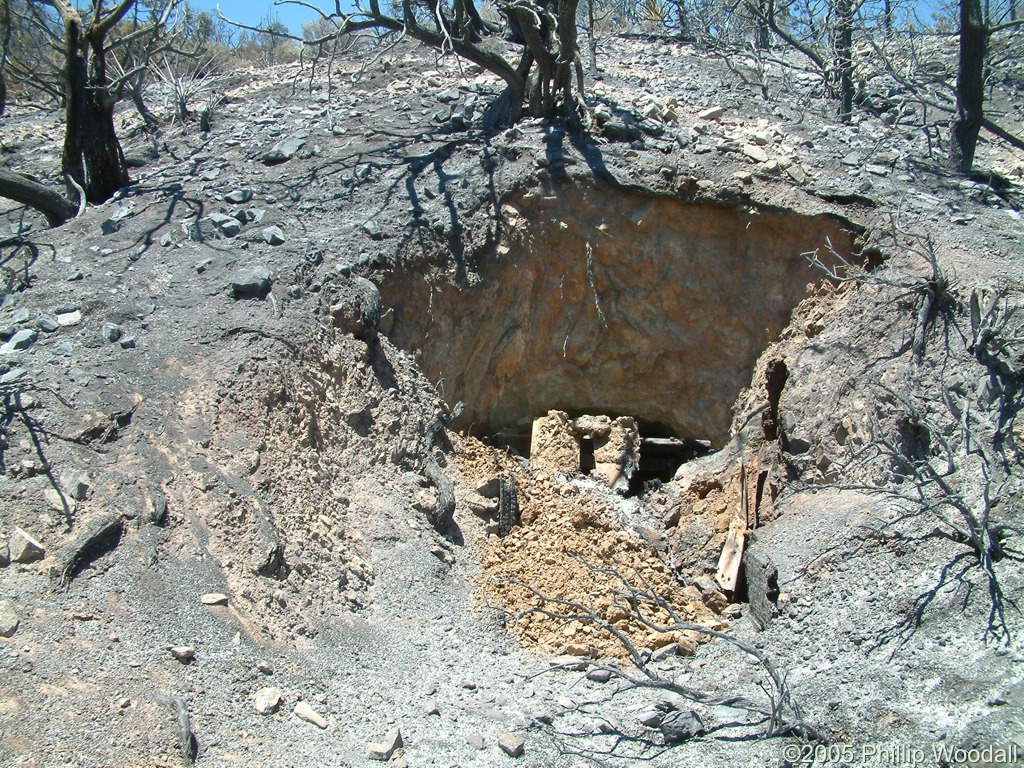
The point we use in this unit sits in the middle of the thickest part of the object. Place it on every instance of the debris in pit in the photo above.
(564, 528)
(605, 448)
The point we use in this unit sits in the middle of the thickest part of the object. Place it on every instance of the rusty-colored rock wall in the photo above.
(598, 301)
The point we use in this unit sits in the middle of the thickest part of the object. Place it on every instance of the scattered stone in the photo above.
(13, 375)
(677, 727)
(228, 226)
(475, 740)
(712, 113)
(284, 150)
(124, 703)
(599, 675)
(650, 717)
(24, 548)
(239, 196)
(47, 323)
(214, 598)
(76, 485)
(267, 700)
(68, 319)
(852, 159)
(512, 744)
(183, 653)
(373, 229)
(469, 685)
(8, 619)
(128, 342)
(23, 339)
(5, 555)
(250, 282)
(571, 663)
(796, 173)
(265, 668)
(430, 707)
(383, 750)
(58, 501)
(755, 153)
(111, 332)
(305, 712)
(686, 647)
(273, 236)
(201, 266)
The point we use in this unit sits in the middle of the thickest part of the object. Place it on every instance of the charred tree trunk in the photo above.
(970, 83)
(92, 154)
(844, 58)
(764, 34)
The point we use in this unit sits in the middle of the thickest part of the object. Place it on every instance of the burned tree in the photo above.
(975, 34)
(543, 76)
(92, 155)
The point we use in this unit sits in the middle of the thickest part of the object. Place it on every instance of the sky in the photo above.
(254, 11)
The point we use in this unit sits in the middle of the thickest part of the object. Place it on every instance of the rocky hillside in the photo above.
(240, 397)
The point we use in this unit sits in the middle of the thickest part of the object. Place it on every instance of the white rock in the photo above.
(24, 548)
(305, 712)
(267, 700)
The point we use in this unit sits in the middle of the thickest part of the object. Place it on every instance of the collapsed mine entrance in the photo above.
(600, 301)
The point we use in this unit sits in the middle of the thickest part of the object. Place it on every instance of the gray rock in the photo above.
(273, 236)
(599, 675)
(267, 700)
(383, 750)
(475, 740)
(13, 375)
(47, 323)
(371, 228)
(8, 619)
(250, 282)
(76, 485)
(680, 726)
(128, 342)
(24, 548)
(650, 717)
(243, 195)
(225, 225)
(512, 744)
(111, 332)
(23, 339)
(5, 555)
(284, 150)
